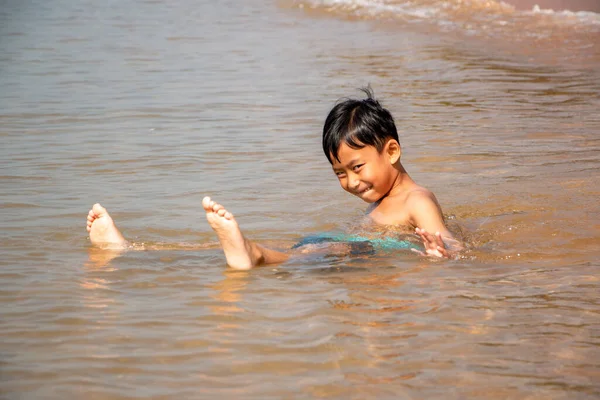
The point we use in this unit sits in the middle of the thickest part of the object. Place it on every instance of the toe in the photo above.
(206, 203)
(97, 209)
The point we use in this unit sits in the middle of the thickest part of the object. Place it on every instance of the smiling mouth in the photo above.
(365, 190)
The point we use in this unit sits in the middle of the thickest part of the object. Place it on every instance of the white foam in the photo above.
(378, 7)
(588, 17)
(445, 12)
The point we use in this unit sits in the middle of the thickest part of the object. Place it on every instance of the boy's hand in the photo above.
(434, 245)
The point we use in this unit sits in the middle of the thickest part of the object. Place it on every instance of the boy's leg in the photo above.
(102, 229)
(240, 252)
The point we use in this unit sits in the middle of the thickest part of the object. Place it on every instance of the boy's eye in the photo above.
(357, 167)
(339, 174)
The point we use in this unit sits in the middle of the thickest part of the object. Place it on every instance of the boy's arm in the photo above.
(428, 220)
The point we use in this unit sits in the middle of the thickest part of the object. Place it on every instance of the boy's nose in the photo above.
(354, 182)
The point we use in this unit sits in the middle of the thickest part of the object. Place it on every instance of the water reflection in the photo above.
(228, 293)
(100, 258)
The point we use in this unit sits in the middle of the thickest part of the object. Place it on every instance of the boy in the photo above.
(360, 141)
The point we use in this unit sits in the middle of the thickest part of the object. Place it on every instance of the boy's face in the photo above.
(365, 172)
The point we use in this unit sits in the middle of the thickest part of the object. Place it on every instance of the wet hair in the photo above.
(358, 123)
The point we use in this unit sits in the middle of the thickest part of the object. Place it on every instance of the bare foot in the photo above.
(102, 229)
(238, 251)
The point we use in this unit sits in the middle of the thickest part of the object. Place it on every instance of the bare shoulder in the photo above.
(424, 209)
(419, 194)
(426, 214)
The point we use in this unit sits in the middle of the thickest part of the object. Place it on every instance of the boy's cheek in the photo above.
(345, 187)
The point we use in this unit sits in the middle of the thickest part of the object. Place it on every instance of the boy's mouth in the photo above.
(361, 192)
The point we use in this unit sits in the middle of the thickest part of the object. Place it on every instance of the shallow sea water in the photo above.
(147, 106)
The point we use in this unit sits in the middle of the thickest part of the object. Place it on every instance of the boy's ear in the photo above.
(393, 150)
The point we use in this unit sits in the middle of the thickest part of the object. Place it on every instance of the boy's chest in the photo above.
(384, 214)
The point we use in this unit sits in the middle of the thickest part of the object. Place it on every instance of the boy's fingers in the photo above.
(439, 240)
(443, 252)
(428, 242)
(430, 238)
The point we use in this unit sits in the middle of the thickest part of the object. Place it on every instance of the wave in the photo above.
(472, 17)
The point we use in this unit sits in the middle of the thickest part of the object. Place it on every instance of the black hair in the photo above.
(358, 123)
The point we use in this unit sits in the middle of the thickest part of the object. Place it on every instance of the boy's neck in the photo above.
(402, 182)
